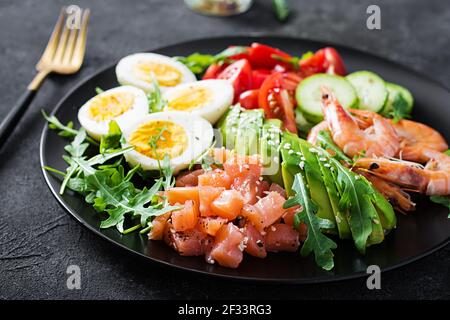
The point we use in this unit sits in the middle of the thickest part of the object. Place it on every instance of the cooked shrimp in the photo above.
(433, 179)
(417, 139)
(378, 139)
(392, 192)
(314, 132)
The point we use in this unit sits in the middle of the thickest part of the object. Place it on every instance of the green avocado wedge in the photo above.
(270, 155)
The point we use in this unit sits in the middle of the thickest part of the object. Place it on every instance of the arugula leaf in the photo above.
(354, 191)
(315, 241)
(66, 131)
(156, 102)
(99, 90)
(281, 9)
(111, 140)
(167, 173)
(443, 200)
(326, 142)
(399, 108)
(198, 63)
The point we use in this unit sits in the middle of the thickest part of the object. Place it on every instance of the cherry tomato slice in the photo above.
(258, 77)
(333, 62)
(213, 71)
(239, 73)
(326, 60)
(249, 99)
(262, 56)
(276, 97)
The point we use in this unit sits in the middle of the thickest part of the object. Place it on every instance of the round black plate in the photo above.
(417, 235)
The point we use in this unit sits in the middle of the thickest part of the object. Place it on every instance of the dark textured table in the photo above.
(38, 240)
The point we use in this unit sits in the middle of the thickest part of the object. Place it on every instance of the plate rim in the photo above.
(252, 38)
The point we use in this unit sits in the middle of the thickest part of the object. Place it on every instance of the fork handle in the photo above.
(15, 114)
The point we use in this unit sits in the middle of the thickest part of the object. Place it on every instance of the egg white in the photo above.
(221, 92)
(199, 138)
(96, 129)
(126, 74)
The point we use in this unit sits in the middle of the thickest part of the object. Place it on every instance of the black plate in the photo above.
(416, 236)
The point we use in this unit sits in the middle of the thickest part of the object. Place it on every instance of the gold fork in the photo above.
(64, 54)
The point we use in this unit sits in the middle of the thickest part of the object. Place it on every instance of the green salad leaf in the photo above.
(400, 108)
(112, 139)
(198, 63)
(315, 241)
(281, 9)
(156, 102)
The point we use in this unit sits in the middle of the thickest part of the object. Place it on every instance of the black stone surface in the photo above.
(38, 240)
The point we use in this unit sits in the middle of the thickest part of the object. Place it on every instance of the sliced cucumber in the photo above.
(370, 89)
(309, 94)
(393, 91)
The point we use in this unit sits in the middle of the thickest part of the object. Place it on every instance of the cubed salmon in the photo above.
(282, 237)
(207, 195)
(158, 225)
(187, 217)
(215, 178)
(228, 246)
(254, 242)
(210, 225)
(228, 204)
(182, 194)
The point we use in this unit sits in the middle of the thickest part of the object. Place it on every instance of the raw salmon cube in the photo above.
(228, 205)
(215, 178)
(238, 166)
(189, 178)
(207, 195)
(228, 246)
(187, 243)
(250, 187)
(255, 242)
(182, 194)
(210, 225)
(158, 225)
(187, 217)
(282, 237)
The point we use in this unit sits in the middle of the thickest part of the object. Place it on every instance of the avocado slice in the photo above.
(248, 132)
(385, 212)
(228, 126)
(377, 235)
(269, 143)
(333, 193)
(316, 184)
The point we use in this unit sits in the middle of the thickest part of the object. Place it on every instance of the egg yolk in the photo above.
(107, 107)
(190, 99)
(166, 75)
(157, 138)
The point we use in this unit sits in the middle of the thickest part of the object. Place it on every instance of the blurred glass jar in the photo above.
(219, 7)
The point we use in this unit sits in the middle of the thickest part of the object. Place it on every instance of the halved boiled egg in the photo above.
(180, 135)
(123, 104)
(207, 98)
(139, 69)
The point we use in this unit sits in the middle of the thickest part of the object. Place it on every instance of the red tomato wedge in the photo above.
(228, 246)
(264, 57)
(249, 99)
(182, 194)
(228, 205)
(282, 237)
(255, 242)
(186, 218)
(215, 178)
(276, 97)
(210, 225)
(258, 77)
(213, 71)
(326, 60)
(207, 195)
(239, 73)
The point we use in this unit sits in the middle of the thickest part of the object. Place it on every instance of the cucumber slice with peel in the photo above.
(370, 89)
(309, 94)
